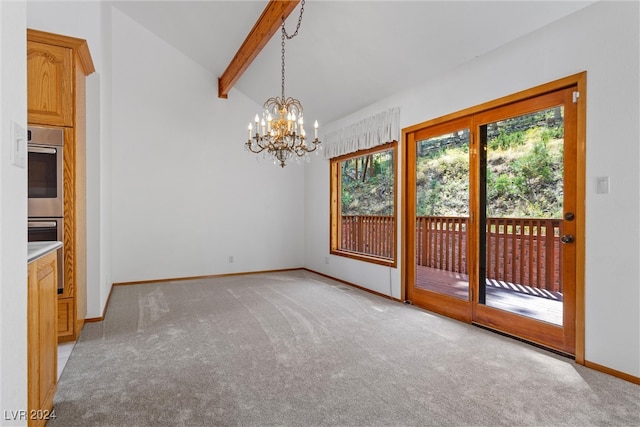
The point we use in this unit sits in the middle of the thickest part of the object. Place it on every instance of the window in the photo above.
(363, 205)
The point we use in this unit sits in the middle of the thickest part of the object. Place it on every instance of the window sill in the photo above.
(365, 258)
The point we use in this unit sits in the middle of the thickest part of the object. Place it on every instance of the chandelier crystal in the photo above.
(280, 132)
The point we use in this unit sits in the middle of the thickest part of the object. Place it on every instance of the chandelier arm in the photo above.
(250, 147)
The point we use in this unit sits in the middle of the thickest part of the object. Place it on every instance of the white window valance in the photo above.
(370, 132)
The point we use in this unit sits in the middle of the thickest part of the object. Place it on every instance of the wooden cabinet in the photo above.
(42, 342)
(57, 67)
(50, 98)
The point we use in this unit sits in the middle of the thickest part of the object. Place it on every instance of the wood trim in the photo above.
(364, 258)
(619, 374)
(408, 275)
(581, 212)
(265, 27)
(80, 46)
(80, 142)
(208, 276)
(104, 311)
(69, 179)
(334, 202)
(500, 102)
(362, 288)
(66, 338)
(543, 334)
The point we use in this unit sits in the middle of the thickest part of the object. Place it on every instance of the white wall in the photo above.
(186, 196)
(104, 241)
(85, 20)
(603, 40)
(13, 216)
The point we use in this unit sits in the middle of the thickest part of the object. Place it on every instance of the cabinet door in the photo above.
(48, 341)
(42, 343)
(50, 84)
(65, 321)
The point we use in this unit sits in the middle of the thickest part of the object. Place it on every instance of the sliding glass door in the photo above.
(491, 217)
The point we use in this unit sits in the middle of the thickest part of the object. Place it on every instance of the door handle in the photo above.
(567, 238)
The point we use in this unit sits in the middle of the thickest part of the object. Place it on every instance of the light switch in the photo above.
(602, 185)
(18, 154)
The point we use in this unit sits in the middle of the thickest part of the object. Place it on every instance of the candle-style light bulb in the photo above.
(250, 128)
(262, 124)
(315, 126)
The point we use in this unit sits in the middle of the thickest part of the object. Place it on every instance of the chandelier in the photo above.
(280, 131)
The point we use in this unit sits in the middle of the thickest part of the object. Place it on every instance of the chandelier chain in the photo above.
(282, 50)
(286, 36)
(284, 30)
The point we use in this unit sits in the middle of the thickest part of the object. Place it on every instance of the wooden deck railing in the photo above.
(523, 251)
(370, 234)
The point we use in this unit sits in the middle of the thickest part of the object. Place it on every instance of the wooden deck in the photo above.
(536, 303)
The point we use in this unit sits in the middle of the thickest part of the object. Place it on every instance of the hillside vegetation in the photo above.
(524, 173)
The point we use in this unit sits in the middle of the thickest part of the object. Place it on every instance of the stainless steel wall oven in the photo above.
(45, 170)
(46, 189)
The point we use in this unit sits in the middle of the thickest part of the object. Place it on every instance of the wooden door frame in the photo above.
(578, 80)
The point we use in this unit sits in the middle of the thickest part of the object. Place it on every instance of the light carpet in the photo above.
(297, 349)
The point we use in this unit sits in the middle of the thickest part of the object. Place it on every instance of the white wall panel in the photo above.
(13, 217)
(186, 196)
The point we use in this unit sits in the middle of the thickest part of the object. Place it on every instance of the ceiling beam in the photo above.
(265, 27)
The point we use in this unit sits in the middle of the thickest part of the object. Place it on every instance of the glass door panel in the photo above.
(523, 173)
(442, 214)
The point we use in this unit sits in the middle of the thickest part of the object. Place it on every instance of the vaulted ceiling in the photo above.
(348, 54)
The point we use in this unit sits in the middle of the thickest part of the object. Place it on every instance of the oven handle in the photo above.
(42, 150)
(42, 224)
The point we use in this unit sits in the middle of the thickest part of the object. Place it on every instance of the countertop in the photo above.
(37, 249)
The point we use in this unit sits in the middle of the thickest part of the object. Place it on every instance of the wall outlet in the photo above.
(326, 260)
(231, 259)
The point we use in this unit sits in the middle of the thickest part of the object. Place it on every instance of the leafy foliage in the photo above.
(368, 185)
(524, 172)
